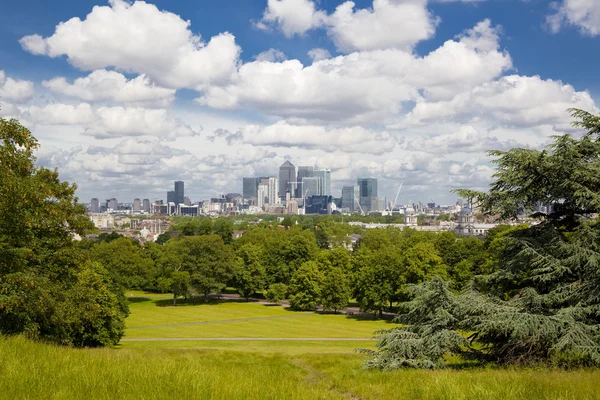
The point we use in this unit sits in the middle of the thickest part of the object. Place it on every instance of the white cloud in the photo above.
(14, 89)
(349, 139)
(135, 121)
(103, 85)
(512, 100)
(363, 86)
(140, 38)
(585, 14)
(318, 54)
(110, 122)
(466, 139)
(272, 55)
(389, 24)
(292, 17)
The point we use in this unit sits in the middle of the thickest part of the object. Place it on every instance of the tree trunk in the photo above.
(174, 299)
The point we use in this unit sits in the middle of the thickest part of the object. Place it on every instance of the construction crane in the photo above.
(359, 206)
(396, 199)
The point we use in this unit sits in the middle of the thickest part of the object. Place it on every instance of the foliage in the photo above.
(249, 276)
(541, 302)
(276, 293)
(48, 287)
(335, 290)
(305, 287)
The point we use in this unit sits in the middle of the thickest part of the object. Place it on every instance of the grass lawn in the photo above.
(152, 316)
(254, 369)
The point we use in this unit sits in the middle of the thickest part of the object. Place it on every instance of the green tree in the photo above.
(49, 289)
(224, 228)
(541, 303)
(177, 282)
(276, 293)
(208, 260)
(249, 276)
(335, 290)
(127, 263)
(163, 238)
(305, 287)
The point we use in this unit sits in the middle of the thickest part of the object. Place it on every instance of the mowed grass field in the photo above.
(233, 360)
(153, 318)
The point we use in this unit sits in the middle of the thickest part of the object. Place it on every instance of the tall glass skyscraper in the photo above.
(179, 193)
(303, 172)
(324, 176)
(368, 190)
(287, 175)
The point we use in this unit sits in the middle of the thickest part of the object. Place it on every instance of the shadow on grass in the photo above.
(138, 299)
(200, 301)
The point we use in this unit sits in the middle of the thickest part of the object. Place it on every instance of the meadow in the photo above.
(230, 350)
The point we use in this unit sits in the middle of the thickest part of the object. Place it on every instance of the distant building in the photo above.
(410, 217)
(368, 190)
(250, 188)
(191, 211)
(324, 175)
(146, 205)
(318, 205)
(187, 201)
(171, 196)
(272, 190)
(310, 186)
(287, 177)
(350, 197)
(303, 172)
(112, 204)
(137, 205)
(95, 205)
(179, 192)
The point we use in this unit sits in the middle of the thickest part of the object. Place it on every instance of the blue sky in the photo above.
(217, 120)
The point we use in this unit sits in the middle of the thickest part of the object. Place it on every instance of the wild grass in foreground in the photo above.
(36, 371)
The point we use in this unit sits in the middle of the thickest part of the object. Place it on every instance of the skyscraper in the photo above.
(179, 193)
(303, 172)
(350, 197)
(310, 186)
(368, 190)
(324, 176)
(95, 205)
(250, 188)
(137, 204)
(112, 204)
(146, 205)
(170, 196)
(272, 193)
(287, 175)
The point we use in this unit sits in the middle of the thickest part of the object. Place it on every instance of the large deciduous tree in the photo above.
(49, 289)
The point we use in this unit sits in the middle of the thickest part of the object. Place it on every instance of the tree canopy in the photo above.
(540, 302)
(49, 288)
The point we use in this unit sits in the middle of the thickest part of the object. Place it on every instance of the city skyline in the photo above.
(411, 91)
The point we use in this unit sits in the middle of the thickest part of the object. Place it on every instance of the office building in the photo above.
(350, 197)
(95, 205)
(171, 196)
(318, 205)
(146, 205)
(287, 179)
(303, 172)
(311, 186)
(324, 176)
(137, 205)
(368, 190)
(250, 188)
(179, 192)
(272, 190)
(112, 204)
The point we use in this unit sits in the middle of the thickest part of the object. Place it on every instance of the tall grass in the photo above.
(36, 371)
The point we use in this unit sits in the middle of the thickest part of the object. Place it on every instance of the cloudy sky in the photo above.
(126, 97)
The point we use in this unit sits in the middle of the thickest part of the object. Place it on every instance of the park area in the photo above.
(233, 349)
